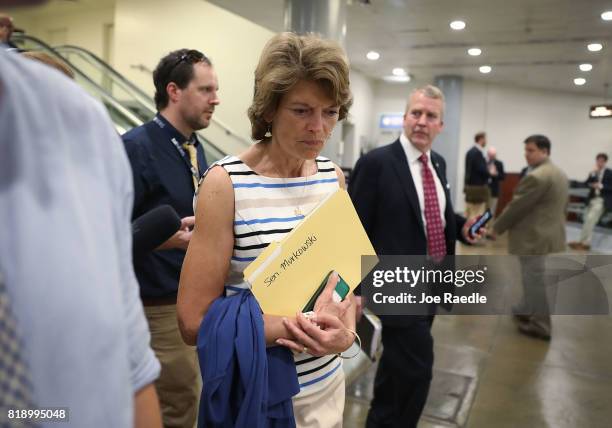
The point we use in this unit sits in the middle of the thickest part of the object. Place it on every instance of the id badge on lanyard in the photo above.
(184, 155)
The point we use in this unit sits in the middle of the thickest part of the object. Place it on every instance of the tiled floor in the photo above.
(486, 374)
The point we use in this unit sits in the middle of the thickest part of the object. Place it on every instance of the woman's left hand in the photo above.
(326, 304)
(322, 334)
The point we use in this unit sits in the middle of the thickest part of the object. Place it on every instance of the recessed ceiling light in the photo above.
(579, 81)
(607, 15)
(457, 25)
(485, 69)
(594, 47)
(398, 71)
(474, 51)
(585, 67)
(372, 55)
(397, 79)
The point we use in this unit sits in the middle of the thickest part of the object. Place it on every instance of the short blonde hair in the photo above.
(289, 58)
(430, 91)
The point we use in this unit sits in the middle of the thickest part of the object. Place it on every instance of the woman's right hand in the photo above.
(323, 334)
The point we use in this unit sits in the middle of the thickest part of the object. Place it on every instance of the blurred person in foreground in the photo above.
(167, 160)
(247, 201)
(599, 201)
(535, 221)
(403, 199)
(73, 333)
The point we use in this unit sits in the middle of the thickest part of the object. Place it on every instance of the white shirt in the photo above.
(416, 166)
(66, 256)
(481, 150)
(600, 175)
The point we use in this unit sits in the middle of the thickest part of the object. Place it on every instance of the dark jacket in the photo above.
(606, 191)
(384, 195)
(494, 182)
(476, 171)
(161, 176)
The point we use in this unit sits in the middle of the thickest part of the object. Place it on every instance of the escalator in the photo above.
(122, 117)
(127, 105)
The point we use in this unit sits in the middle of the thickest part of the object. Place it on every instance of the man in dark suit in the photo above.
(599, 201)
(402, 198)
(476, 177)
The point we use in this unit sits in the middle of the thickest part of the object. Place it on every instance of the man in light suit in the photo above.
(535, 220)
(402, 197)
(599, 200)
(477, 177)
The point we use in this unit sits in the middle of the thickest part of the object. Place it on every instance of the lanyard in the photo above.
(194, 172)
(184, 155)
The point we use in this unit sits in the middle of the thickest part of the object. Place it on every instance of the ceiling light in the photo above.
(585, 67)
(594, 47)
(579, 81)
(600, 111)
(474, 51)
(397, 79)
(485, 69)
(457, 25)
(372, 55)
(607, 15)
(398, 71)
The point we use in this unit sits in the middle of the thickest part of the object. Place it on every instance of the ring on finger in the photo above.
(305, 349)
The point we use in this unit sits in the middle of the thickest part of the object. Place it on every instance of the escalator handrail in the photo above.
(144, 99)
(136, 121)
(141, 95)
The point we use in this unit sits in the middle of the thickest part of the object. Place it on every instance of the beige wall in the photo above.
(145, 30)
(68, 24)
(144, 33)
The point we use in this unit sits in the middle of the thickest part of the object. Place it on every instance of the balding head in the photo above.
(6, 27)
(492, 153)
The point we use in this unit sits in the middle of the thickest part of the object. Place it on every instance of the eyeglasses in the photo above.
(192, 56)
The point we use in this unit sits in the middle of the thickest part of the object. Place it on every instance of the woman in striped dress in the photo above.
(247, 201)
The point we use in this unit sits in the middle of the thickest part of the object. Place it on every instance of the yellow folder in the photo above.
(287, 273)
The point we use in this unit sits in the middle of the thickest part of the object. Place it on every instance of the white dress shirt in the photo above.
(413, 155)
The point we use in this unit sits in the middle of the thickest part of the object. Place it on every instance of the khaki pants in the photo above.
(592, 215)
(322, 409)
(473, 210)
(179, 383)
(493, 204)
(476, 200)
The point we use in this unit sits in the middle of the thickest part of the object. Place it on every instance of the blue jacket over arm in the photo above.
(245, 384)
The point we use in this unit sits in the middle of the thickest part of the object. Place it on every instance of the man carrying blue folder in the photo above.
(402, 198)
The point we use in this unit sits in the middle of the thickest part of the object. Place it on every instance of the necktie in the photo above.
(193, 159)
(436, 242)
(15, 386)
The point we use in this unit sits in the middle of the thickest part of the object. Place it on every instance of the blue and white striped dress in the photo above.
(265, 211)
